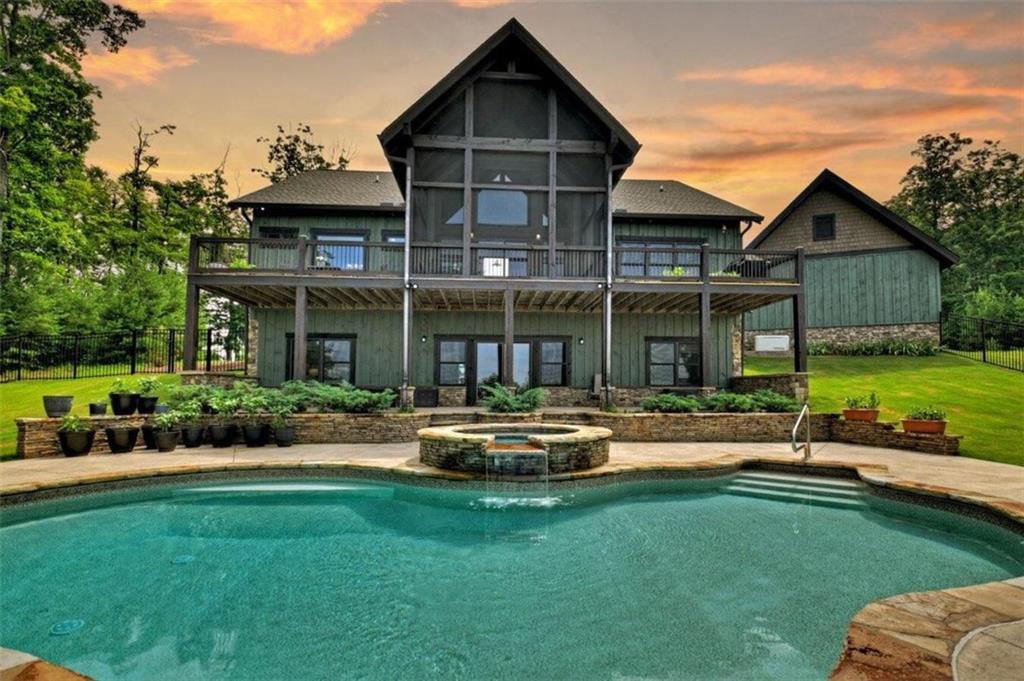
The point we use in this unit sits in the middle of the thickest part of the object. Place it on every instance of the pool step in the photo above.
(799, 489)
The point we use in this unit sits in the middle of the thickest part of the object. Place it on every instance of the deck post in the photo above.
(299, 346)
(800, 317)
(191, 340)
(607, 390)
(508, 347)
(406, 392)
(706, 379)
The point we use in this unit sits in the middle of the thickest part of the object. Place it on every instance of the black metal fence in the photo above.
(139, 351)
(986, 340)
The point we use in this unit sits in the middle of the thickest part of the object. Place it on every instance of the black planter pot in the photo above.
(166, 440)
(162, 409)
(147, 405)
(256, 435)
(76, 444)
(97, 409)
(284, 437)
(192, 436)
(205, 408)
(223, 434)
(124, 404)
(149, 435)
(121, 440)
(57, 405)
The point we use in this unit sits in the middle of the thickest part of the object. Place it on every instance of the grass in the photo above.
(983, 403)
(25, 399)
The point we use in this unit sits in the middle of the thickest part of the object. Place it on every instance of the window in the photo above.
(451, 362)
(329, 358)
(279, 232)
(660, 258)
(824, 227)
(554, 363)
(673, 362)
(339, 251)
(437, 215)
(503, 167)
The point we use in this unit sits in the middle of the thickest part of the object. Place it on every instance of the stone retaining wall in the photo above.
(925, 331)
(38, 437)
(882, 434)
(792, 385)
(708, 427)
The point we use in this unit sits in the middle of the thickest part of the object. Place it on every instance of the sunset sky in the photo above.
(748, 101)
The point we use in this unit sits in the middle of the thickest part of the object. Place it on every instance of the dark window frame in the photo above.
(825, 220)
(290, 358)
(535, 356)
(466, 344)
(275, 232)
(696, 381)
(318, 232)
(651, 243)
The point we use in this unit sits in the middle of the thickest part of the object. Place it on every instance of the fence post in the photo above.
(135, 350)
(209, 345)
(984, 357)
(21, 354)
(170, 350)
(74, 357)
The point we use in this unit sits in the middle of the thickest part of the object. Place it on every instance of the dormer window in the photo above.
(824, 227)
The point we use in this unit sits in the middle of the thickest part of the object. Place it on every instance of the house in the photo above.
(870, 274)
(503, 245)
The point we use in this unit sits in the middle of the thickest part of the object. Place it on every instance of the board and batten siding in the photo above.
(862, 289)
(710, 232)
(379, 341)
(308, 223)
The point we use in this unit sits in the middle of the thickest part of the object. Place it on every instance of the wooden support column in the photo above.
(467, 189)
(705, 317)
(607, 390)
(508, 348)
(406, 393)
(299, 347)
(800, 318)
(191, 339)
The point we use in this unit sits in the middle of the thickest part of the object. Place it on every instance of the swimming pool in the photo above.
(328, 579)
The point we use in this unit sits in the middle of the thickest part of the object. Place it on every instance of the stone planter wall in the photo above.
(850, 334)
(38, 437)
(708, 427)
(882, 434)
(792, 385)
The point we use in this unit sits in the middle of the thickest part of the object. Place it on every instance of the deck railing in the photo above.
(361, 258)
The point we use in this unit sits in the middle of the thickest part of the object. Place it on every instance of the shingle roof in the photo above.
(377, 190)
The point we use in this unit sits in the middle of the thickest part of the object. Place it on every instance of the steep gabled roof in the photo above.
(376, 190)
(626, 146)
(829, 181)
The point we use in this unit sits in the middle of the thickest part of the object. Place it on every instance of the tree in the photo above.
(971, 199)
(294, 152)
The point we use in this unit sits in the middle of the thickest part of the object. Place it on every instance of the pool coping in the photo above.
(909, 635)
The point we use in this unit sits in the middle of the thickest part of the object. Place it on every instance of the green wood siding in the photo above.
(683, 229)
(379, 341)
(885, 287)
(376, 225)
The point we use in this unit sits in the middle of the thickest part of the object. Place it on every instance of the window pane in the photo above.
(453, 351)
(502, 167)
(439, 165)
(521, 364)
(580, 170)
(582, 218)
(453, 374)
(552, 352)
(437, 215)
(339, 255)
(338, 350)
(498, 209)
(313, 348)
(551, 374)
(337, 371)
(663, 353)
(661, 374)
(689, 374)
(510, 109)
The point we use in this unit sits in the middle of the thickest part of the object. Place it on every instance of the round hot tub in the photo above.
(520, 449)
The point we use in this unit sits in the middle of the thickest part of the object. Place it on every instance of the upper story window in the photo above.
(339, 251)
(823, 227)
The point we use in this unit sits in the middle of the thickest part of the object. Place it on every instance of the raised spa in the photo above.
(522, 449)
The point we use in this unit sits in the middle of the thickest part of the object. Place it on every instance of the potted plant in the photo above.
(254, 404)
(192, 430)
(862, 408)
(166, 430)
(123, 402)
(223, 432)
(121, 439)
(147, 395)
(284, 435)
(56, 406)
(149, 435)
(925, 421)
(97, 409)
(75, 435)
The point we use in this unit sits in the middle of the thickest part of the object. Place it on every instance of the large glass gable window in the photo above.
(329, 359)
(673, 362)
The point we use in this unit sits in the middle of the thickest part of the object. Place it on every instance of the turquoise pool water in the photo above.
(350, 580)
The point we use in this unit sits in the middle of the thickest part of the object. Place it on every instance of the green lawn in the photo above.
(25, 398)
(985, 404)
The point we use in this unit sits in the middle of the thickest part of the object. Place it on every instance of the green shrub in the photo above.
(224, 402)
(197, 393)
(771, 401)
(70, 423)
(359, 401)
(928, 413)
(869, 401)
(730, 402)
(119, 386)
(894, 346)
(167, 421)
(668, 403)
(148, 386)
(502, 400)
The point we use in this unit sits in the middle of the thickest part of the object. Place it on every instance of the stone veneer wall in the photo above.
(38, 437)
(925, 331)
(451, 396)
(791, 385)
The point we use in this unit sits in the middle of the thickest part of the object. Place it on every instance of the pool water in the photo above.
(333, 579)
(512, 439)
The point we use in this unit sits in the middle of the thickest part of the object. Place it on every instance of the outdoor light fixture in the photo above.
(581, 340)
(423, 339)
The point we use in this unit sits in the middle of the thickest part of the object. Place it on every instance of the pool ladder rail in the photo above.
(805, 446)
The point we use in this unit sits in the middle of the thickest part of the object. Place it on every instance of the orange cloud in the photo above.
(133, 65)
(980, 33)
(1001, 80)
(289, 26)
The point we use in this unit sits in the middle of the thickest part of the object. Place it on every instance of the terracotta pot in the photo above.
(922, 427)
(870, 415)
